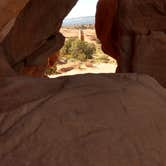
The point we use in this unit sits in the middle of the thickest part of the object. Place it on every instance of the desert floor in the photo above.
(83, 69)
(73, 68)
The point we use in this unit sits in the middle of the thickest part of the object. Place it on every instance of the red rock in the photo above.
(34, 35)
(89, 64)
(142, 35)
(53, 58)
(65, 69)
(107, 29)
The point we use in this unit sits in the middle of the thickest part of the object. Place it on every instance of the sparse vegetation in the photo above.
(101, 58)
(78, 54)
(78, 50)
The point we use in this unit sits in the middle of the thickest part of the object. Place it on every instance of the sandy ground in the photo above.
(97, 68)
(89, 34)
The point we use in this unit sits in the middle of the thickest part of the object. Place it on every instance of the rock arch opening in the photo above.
(29, 34)
(82, 51)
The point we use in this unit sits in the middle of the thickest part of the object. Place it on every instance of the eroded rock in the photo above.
(104, 119)
(9, 10)
(82, 120)
(34, 35)
(133, 32)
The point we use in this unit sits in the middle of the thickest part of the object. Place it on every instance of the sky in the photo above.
(83, 8)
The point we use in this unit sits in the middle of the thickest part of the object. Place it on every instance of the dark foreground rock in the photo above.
(29, 32)
(89, 120)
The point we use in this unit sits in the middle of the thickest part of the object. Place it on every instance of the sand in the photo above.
(97, 68)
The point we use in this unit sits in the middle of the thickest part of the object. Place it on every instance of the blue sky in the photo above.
(83, 8)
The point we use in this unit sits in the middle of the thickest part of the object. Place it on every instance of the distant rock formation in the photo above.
(81, 35)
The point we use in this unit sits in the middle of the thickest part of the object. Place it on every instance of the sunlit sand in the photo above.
(97, 68)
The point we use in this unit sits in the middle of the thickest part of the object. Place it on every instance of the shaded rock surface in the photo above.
(9, 10)
(92, 120)
(134, 34)
(34, 34)
(105, 119)
(106, 26)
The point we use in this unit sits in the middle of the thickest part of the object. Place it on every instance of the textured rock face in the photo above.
(89, 120)
(9, 10)
(106, 26)
(82, 120)
(141, 26)
(34, 33)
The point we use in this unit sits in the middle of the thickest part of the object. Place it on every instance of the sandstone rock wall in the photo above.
(134, 34)
(9, 10)
(88, 120)
(92, 120)
(32, 33)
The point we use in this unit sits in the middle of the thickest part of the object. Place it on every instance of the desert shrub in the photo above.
(100, 57)
(66, 50)
(51, 71)
(88, 26)
(77, 49)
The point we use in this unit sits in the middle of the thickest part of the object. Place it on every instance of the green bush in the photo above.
(78, 49)
(66, 50)
(51, 71)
